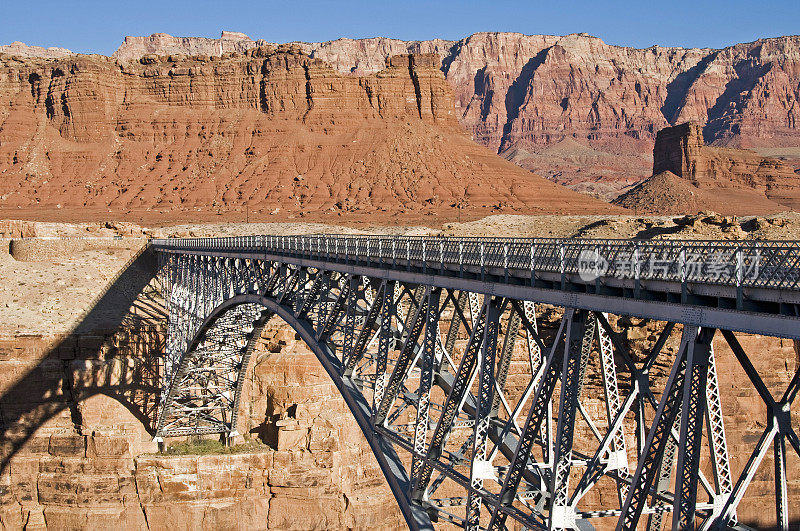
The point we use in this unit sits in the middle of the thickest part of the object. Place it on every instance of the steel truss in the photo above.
(482, 409)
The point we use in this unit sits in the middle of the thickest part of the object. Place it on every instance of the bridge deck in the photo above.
(748, 286)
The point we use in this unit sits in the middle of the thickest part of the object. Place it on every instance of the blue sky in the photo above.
(99, 26)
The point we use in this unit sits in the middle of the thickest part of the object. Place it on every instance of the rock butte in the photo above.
(689, 177)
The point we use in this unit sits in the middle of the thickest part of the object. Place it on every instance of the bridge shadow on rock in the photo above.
(115, 350)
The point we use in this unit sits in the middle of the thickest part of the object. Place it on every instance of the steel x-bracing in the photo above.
(493, 378)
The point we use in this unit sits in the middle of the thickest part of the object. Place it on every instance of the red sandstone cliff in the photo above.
(521, 94)
(273, 131)
(572, 108)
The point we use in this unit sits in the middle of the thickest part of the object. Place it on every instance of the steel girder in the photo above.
(466, 384)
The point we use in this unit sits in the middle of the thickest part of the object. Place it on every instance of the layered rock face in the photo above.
(20, 49)
(133, 48)
(89, 463)
(77, 412)
(272, 131)
(681, 150)
(579, 86)
(521, 94)
(690, 176)
(93, 465)
(571, 108)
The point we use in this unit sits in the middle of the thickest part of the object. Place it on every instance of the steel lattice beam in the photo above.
(522, 331)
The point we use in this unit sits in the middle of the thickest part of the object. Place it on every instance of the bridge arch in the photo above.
(510, 452)
(385, 454)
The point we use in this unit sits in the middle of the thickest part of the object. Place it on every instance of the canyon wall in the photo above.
(585, 113)
(512, 87)
(571, 108)
(273, 131)
(578, 110)
(93, 464)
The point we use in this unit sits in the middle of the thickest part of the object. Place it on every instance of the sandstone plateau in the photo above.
(273, 131)
(520, 95)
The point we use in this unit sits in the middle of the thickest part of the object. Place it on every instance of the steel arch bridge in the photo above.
(491, 377)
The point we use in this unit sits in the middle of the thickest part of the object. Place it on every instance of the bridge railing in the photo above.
(766, 264)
